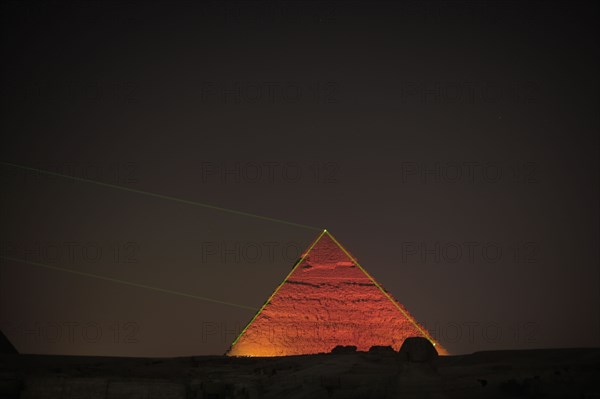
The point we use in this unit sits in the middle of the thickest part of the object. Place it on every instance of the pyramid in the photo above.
(327, 300)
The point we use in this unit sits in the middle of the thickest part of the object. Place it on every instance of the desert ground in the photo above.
(544, 373)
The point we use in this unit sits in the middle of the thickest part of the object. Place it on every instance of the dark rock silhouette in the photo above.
(6, 347)
(344, 349)
(417, 349)
(382, 349)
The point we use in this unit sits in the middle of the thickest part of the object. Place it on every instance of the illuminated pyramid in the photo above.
(327, 300)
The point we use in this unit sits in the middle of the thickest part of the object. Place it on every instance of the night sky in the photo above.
(452, 147)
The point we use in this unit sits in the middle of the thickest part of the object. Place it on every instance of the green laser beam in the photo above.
(161, 196)
(130, 283)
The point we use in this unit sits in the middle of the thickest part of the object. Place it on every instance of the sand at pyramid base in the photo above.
(326, 301)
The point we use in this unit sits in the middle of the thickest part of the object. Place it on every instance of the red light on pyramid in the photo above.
(327, 300)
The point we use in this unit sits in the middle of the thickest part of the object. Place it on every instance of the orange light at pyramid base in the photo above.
(327, 300)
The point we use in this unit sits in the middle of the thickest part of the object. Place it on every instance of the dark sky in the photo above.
(452, 147)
